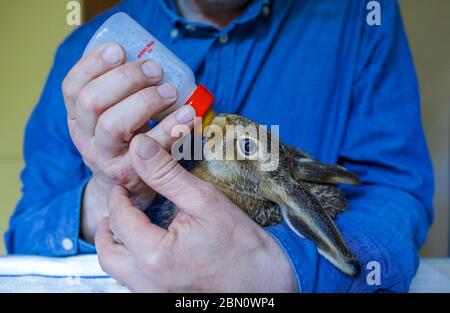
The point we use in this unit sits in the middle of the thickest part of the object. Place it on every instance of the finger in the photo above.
(165, 132)
(104, 239)
(114, 258)
(114, 86)
(118, 124)
(97, 62)
(117, 261)
(131, 225)
(167, 177)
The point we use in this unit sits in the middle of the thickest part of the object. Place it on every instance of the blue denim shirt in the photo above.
(342, 90)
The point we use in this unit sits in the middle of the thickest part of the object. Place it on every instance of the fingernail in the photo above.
(112, 54)
(152, 70)
(186, 114)
(146, 149)
(167, 91)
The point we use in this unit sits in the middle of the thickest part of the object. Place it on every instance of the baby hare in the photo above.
(298, 189)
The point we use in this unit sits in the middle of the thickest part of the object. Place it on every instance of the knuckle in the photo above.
(127, 74)
(68, 90)
(76, 138)
(88, 159)
(107, 125)
(166, 173)
(152, 101)
(91, 65)
(153, 262)
(150, 97)
(88, 101)
(120, 174)
(167, 129)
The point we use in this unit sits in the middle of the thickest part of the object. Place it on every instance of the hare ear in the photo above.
(305, 216)
(316, 172)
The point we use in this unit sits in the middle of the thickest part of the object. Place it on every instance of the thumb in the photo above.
(159, 170)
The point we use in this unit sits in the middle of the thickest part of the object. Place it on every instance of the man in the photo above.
(340, 89)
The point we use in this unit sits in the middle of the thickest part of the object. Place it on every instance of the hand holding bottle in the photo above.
(126, 78)
(108, 103)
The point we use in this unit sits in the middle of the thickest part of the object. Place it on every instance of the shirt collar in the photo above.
(254, 10)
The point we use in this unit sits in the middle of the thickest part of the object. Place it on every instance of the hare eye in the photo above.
(248, 146)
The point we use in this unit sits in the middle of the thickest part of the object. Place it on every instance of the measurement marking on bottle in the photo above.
(147, 49)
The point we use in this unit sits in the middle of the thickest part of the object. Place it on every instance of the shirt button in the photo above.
(265, 11)
(67, 244)
(224, 39)
(190, 27)
(174, 33)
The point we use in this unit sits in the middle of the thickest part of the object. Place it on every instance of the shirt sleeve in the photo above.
(46, 221)
(391, 212)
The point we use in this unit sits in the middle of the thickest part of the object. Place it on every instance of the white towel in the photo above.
(41, 274)
(433, 276)
(83, 274)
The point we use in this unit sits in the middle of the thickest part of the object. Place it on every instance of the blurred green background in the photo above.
(31, 30)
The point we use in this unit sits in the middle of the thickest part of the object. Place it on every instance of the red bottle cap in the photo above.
(201, 100)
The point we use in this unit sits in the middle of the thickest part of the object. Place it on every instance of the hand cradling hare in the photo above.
(301, 191)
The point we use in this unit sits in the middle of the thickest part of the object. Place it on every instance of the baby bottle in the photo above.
(141, 45)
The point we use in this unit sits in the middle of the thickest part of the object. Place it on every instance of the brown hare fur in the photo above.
(301, 191)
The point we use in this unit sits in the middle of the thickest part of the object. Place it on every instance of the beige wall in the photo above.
(428, 27)
(31, 30)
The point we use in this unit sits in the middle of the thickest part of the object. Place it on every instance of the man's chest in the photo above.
(295, 71)
(305, 91)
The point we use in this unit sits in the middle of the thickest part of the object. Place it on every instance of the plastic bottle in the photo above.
(139, 44)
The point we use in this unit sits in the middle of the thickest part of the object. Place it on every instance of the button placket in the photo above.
(223, 39)
(67, 244)
(265, 11)
(174, 33)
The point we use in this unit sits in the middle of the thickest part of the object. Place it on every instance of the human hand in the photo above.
(108, 103)
(211, 245)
